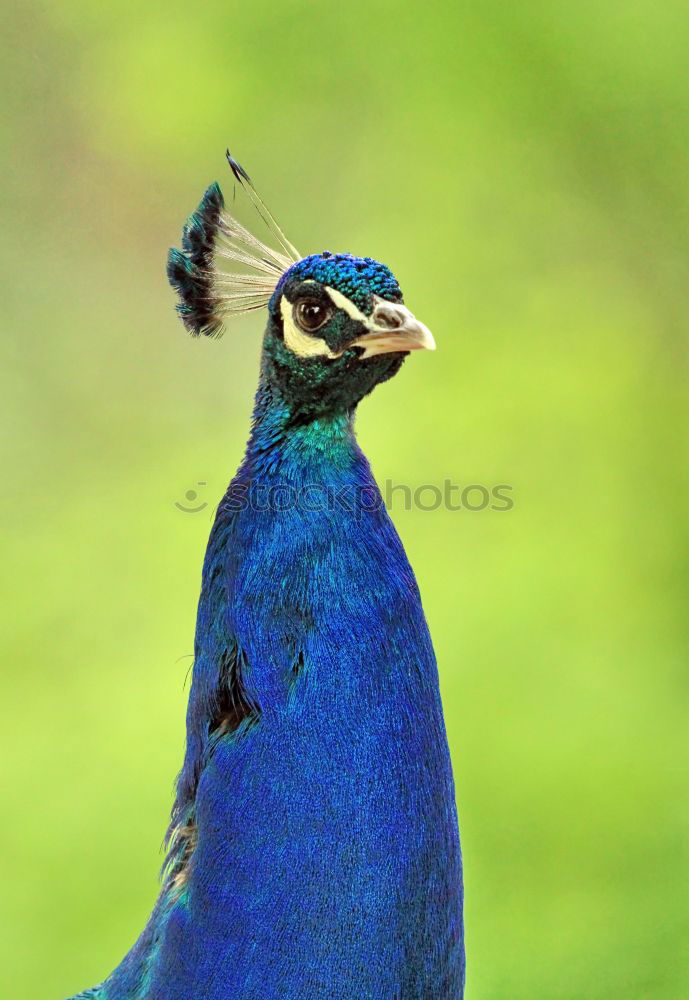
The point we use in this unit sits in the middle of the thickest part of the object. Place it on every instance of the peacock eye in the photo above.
(311, 314)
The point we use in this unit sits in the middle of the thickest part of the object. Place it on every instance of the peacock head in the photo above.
(336, 327)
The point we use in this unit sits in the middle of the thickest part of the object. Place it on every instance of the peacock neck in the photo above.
(297, 445)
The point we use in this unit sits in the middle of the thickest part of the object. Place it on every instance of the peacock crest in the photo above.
(208, 293)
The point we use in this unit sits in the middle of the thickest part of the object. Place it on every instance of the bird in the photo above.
(313, 851)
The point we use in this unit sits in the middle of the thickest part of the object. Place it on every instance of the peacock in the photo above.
(313, 851)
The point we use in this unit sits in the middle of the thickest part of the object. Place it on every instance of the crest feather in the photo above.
(208, 294)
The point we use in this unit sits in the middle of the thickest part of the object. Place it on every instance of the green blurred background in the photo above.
(523, 168)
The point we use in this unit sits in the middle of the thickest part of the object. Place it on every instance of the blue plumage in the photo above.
(314, 850)
(356, 277)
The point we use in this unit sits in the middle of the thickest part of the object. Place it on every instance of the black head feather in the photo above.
(190, 270)
(208, 293)
(237, 169)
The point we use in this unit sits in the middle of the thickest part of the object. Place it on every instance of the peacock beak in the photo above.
(393, 328)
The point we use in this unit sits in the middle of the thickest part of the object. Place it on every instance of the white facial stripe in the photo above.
(297, 341)
(342, 302)
(390, 328)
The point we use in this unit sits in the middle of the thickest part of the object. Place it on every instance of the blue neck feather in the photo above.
(318, 854)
